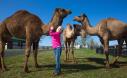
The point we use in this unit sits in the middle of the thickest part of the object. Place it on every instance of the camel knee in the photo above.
(72, 51)
(0, 64)
(1, 53)
(106, 52)
(27, 52)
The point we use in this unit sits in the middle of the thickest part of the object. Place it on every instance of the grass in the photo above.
(90, 65)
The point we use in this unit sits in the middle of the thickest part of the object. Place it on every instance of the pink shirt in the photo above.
(55, 39)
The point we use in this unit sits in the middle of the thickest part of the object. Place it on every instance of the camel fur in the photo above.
(28, 26)
(69, 36)
(107, 29)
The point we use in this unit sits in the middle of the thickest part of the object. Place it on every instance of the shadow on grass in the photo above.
(121, 63)
(102, 62)
(97, 60)
(84, 67)
(71, 68)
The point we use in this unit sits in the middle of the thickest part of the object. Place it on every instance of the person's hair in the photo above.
(58, 29)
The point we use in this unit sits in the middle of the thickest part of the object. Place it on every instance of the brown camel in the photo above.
(107, 29)
(28, 26)
(69, 37)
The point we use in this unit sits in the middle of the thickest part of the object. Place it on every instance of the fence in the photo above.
(113, 50)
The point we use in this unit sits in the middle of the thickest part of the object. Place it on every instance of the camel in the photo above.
(25, 25)
(107, 29)
(69, 37)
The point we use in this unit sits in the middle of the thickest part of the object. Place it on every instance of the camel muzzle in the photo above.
(70, 12)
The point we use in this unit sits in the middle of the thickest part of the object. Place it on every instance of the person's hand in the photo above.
(51, 28)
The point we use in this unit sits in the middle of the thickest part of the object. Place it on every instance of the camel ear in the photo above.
(83, 14)
(74, 25)
(57, 9)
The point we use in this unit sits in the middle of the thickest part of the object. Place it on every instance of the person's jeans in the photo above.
(57, 53)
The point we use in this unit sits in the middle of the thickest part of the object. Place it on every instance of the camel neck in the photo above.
(89, 29)
(56, 21)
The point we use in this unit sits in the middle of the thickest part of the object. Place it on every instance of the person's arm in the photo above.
(51, 33)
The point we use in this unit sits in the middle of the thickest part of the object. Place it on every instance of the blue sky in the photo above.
(96, 10)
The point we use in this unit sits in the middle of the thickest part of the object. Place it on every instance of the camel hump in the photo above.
(21, 12)
(110, 18)
(23, 15)
(115, 21)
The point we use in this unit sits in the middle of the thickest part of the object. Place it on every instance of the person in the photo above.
(56, 45)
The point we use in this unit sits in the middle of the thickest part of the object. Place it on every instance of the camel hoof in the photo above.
(0, 70)
(37, 66)
(108, 66)
(26, 70)
(75, 62)
(3, 70)
(65, 61)
(115, 61)
(116, 65)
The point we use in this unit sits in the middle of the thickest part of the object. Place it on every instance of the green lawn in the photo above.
(90, 65)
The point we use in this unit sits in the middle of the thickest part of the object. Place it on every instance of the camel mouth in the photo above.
(75, 19)
(70, 12)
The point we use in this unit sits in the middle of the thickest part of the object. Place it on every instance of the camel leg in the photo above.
(118, 53)
(35, 52)
(65, 44)
(74, 59)
(126, 42)
(69, 46)
(27, 50)
(106, 51)
(102, 42)
(27, 54)
(72, 51)
(0, 56)
(2, 64)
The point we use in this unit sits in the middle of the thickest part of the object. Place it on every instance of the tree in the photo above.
(92, 43)
(85, 40)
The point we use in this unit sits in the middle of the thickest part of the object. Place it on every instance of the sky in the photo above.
(96, 10)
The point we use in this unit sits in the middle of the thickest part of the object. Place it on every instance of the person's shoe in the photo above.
(55, 74)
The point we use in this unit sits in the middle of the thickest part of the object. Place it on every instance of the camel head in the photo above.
(84, 21)
(69, 26)
(79, 31)
(82, 18)
(56, 20)
(58, 17)
(62, 12)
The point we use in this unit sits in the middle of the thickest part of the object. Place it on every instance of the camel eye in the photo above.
(63, 10)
